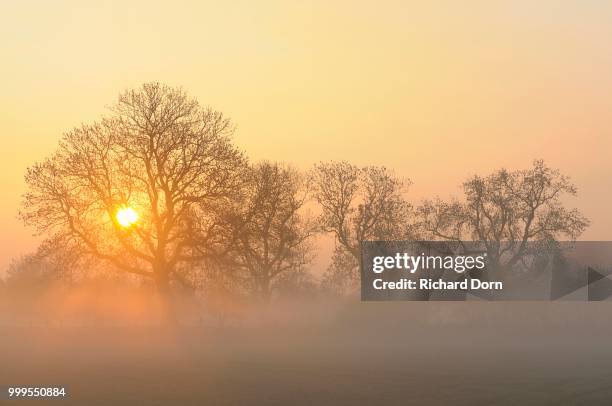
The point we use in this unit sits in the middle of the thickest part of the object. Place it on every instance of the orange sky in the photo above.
(437, 91)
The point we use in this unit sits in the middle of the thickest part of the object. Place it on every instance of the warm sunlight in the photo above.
(126, 216)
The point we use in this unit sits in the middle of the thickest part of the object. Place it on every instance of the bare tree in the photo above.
(359, 204)
(141, 188)
(272, 232)
(506, 210)
(30, 272)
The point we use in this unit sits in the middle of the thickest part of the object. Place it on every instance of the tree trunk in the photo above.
(167, 308)
(265, 294)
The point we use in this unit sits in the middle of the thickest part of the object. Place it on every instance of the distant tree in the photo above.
(272, 232)
(506, 210)
(342, 275)
(30, 272)
(300, 284)
(142, 188)
(359, 204)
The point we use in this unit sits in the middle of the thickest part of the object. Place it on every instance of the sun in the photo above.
(126, 216)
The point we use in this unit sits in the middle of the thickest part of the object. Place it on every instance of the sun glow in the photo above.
(126, 216)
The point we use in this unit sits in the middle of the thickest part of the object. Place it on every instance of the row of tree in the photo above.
(206, 216)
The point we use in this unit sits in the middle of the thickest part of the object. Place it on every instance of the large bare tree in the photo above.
(272, 231)
(506, 210)
(359, 204)
(142, 188)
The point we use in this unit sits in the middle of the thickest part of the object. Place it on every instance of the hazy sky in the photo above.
(435, 90)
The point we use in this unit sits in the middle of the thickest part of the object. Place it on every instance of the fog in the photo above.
(108, 347)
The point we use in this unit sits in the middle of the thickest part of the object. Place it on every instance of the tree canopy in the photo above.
(158, 153)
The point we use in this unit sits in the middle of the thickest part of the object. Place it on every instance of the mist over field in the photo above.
(174, 270)
(189, 190)
(312, 352)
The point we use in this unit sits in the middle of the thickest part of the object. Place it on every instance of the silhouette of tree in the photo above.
(342, 275)
(158, 153)
(359, 204)
(272, 233)
(30, 272)
(506, 210)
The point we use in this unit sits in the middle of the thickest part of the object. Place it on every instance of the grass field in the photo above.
(357, 359)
